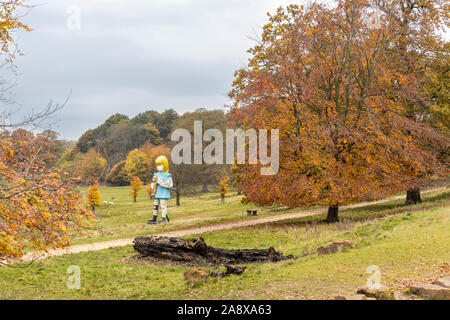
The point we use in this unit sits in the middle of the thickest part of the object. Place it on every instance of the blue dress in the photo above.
(161, 192)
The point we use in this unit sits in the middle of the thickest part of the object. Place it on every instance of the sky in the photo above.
(129, 56)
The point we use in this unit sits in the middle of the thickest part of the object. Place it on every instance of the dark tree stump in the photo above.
(333, 214)
(198, 252)
(413, 196)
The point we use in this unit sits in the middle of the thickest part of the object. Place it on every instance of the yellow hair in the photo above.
(161, 160)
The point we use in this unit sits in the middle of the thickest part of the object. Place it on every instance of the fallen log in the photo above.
(197, 251)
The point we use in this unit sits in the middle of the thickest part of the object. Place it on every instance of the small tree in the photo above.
(91, 167)
(93, 196)
(136, 165)
(118, 176)
(223, 186)
(136, 185)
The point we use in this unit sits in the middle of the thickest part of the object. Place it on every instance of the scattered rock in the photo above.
(218, 274)
(235, 269)
(355, 297)
(335, 246)
(398, 295)
(196, 275)
(230, 270)
(431, 291)
(443, 282)
(380, 293)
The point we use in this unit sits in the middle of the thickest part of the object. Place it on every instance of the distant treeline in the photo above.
(121, 148)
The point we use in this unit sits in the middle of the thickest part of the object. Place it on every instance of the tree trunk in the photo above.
(93, 208)
(413, 196)
(222, 197)
(178, 197)
(198, 252)
(333, 212)
(205, 187)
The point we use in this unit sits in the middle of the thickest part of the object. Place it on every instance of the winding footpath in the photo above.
(199, 230)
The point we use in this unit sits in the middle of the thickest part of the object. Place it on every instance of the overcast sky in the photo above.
(133, 55)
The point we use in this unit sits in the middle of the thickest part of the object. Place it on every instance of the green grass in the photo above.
(405, 242)
(126, 219)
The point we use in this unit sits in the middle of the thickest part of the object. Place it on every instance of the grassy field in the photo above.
(126, 219)
(407, 243)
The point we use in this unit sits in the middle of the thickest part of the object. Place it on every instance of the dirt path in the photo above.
(198, 230)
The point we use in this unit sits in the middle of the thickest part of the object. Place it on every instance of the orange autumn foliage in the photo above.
(93, 196)
(329, 84)
(38, 206)
(224, 183)
(9, 24)
(136, 185)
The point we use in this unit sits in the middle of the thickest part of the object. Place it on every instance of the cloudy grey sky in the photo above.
(133, 55)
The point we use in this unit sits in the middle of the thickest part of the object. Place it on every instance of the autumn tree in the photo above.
(11, 23)
(66, 162)
(327, 81)
(91, 167)
(118, 175)
(136, 185)
(436, 85)
(38, 205)
(224, 188)
(421, 52)
(136, 165)
(93, 196)
(60, 146)
(41, 143)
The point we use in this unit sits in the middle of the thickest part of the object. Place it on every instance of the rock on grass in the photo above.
(443, 282)
(431, 291)
(196, 275)
(380, 293)
(335, 246)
